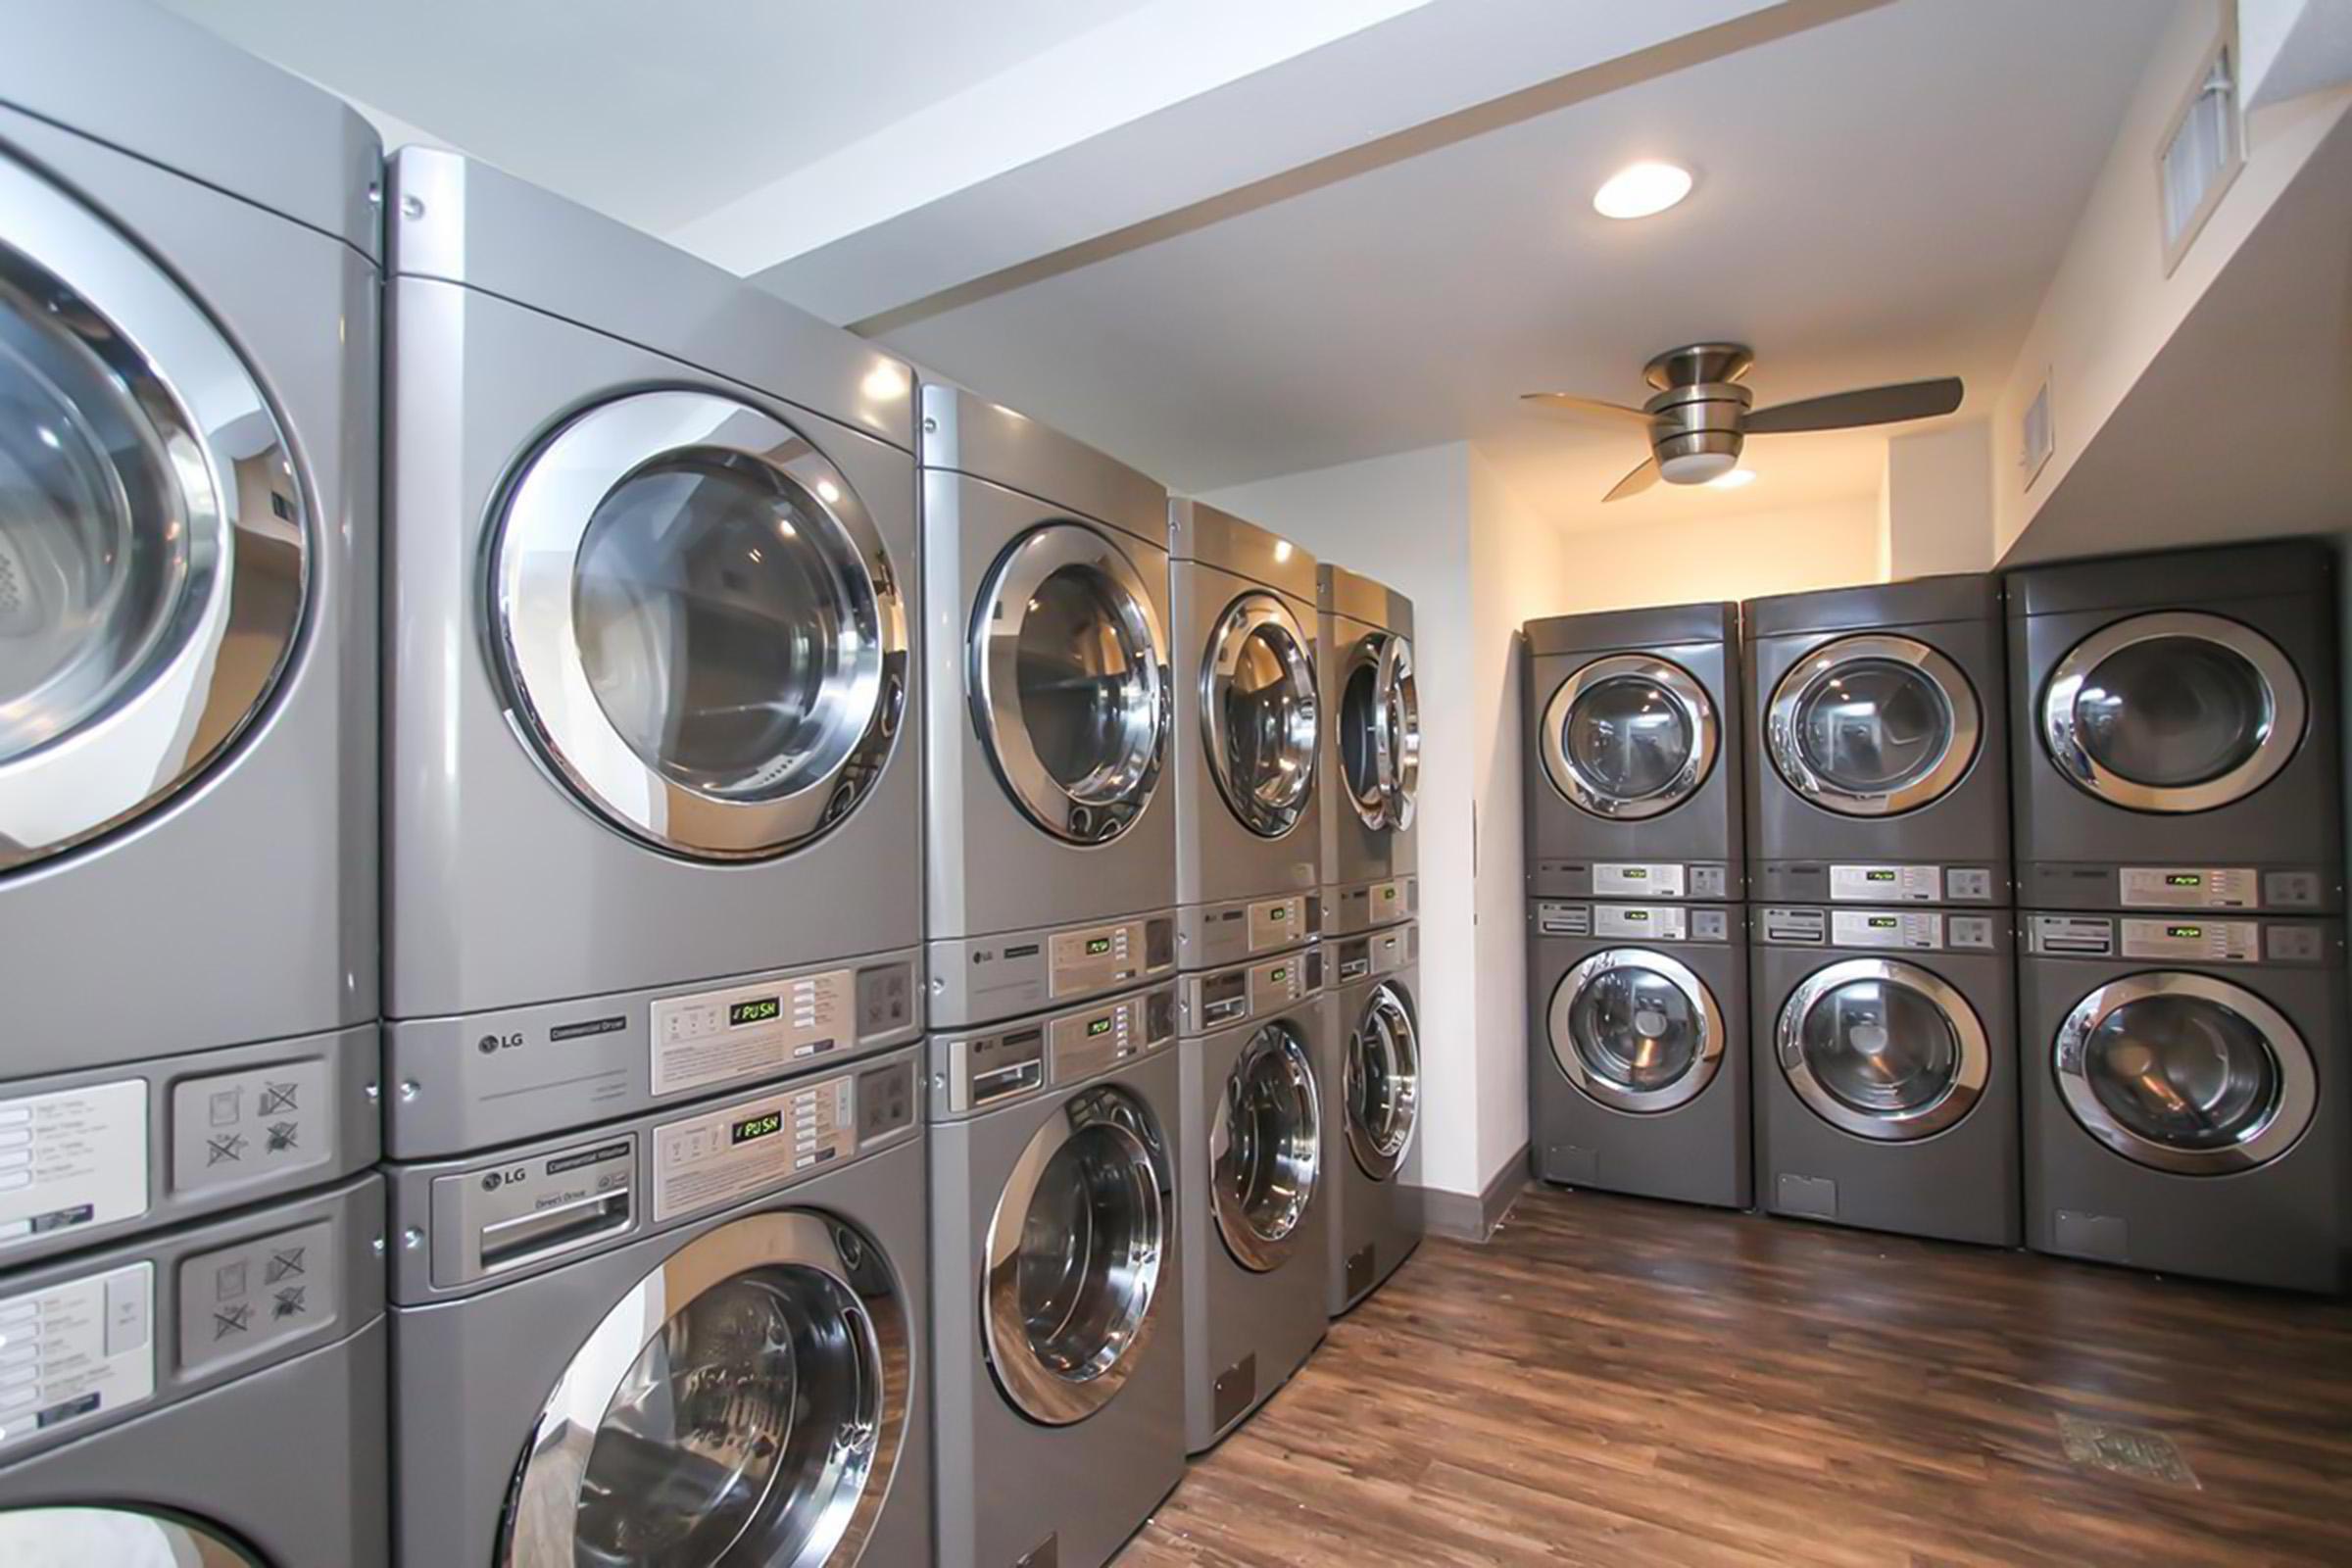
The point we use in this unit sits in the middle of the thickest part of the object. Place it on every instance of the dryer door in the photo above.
(1873, 727)
(118, 1538)
(1260, 713)
(1883, 1049)
(745, 1403)
(1380, 731)
(1265, 1148)
(699, 630)
(2186, 1074)
(1075, 1250)
(1636, 1030)
(2173, 712)
(1383, 1083)
(1630, 737)
(1069, 682)
(154, 539)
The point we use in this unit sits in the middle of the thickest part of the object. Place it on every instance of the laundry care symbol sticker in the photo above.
(289, 1301)
(286, 1263)
(283, 1138)
(279, 1098)
(226, 1149)
(234, 1319)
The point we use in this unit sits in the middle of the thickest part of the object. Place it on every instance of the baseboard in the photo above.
(1474, 1217)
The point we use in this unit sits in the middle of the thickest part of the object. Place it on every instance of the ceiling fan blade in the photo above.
(1634, 483)
(1568, 403)
(1874, 404)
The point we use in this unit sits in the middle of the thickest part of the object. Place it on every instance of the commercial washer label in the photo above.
(73, 1159)
(753, 1031)
(2187, 887)
(74, 1350)
(739, 1151)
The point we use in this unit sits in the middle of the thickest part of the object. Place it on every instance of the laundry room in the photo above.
(1171, 783)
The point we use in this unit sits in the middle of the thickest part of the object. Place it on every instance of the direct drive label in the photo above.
(2178, 887)
(73, 1159)
(76, 1350)
(753, 1031)
(1641, 881)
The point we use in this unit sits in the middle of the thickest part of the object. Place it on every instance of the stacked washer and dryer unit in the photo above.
(654, 920)
(192, 1342)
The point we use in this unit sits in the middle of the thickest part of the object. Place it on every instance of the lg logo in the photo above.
(492, 1181)
(492, 1045)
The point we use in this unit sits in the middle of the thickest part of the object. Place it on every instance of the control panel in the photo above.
(1254, 991)
(749, 1031)
(74, 1350)
(1879, 930)
(2182, 887)
(1911, 884)
(1278, 923)
(1371, 906)
(976, 1071)
(1637, 922)
(73, 1159)
(2180, 939)
(1661, 880)
(738, 1151)
(1095, 959)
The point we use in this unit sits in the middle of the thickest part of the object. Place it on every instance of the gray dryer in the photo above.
(1372, 1077)
(1059, 1375)
(1885, 1069)
(2186, 1106)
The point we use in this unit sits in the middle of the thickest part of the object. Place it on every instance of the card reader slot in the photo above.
(529, 1238)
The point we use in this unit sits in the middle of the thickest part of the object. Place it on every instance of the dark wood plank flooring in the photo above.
(1624, 1383)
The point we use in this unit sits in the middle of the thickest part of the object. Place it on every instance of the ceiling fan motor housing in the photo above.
(1697, 433)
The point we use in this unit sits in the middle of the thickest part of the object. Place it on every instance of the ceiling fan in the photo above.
(1700, 418)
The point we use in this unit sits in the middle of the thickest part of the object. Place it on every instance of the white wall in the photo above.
(1936, 506)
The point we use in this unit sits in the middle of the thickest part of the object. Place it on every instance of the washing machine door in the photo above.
(2186, 1074)
(1382, 1082)
(1636, 1030)
(156, 544)
(1873, 727)
(1882, 1050)
(1265, 1147)
(1630, 737)
(76, 1537)
(1380, 731)
(1259, 714)
(745, 1403)
(1075, 1250)
(1069, 682)
(2173, 712)
(697, 626)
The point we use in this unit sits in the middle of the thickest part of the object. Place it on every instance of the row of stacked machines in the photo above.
(1996, 909)
(630, 938)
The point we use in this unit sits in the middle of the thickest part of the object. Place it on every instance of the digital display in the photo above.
(1280, 912)
(1636, 914)
(2187, 933)
(1280, 974)
(2185, 879)
(1882, 922)
(1096, 947)
(1101, 1026)
(1636, 873)
(1388, 893)
(759, 1009)
(1877, 876)
(755, 1127)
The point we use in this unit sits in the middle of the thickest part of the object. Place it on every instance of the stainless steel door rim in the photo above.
(1660, 687)
(155, 563)
(1383, 1083)
(1265, 1148)
(766, 727)
(1101, 675)
(1264, 761)
(1907, 986)
(2247, 1063)
(1864, 677)
(1064, 1332)
(1581, 1057)
(2085, 716)
(1400, 711)
(1380, 731)
(785, 1452)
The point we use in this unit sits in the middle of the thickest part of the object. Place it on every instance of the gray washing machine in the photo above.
(1052, 863)
(2185, 1094)
(1248, 730)
(1633, 754)
(1880, 772)
(1885, 1069)
(694, 1338)
(1371, 762)
(1638, 1071)
(652, 578)
(210, 1396)
(188, 365)
(2175, 739)
(1371, 1109)
(1058, 1377)
(1256, 1250)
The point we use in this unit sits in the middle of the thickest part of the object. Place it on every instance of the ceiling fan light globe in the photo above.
(1697, 468)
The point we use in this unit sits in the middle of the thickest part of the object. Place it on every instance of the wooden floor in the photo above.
(1622, 1383)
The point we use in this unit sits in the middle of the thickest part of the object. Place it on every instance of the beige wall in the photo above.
(1740, 555)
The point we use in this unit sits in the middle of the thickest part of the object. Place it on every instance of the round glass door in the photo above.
(2173, 712)
(1630, 737)
(699, 628)
(1882, 1050)
(118, 1537)
(1258, 707)
(744, 1403)
(1383, 1083)
(1873, 727)
(1265, 1148)
(1379, 732)
(1074, 1255)
(155, 544)
(1636, 1030)
(2186, 1074)
(1069, 684)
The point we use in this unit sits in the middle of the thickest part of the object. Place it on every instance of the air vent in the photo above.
(2202, 153)
(2035, 437)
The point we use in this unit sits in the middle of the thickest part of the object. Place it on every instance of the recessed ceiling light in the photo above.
(1640, 190)
(1733, 480)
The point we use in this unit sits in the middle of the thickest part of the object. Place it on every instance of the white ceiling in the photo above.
(1881, 197)
(655, 111)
